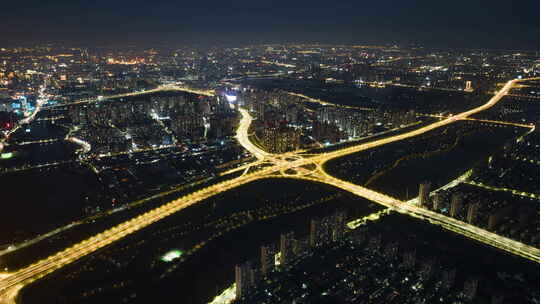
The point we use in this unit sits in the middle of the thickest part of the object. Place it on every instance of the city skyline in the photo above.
(269, 152)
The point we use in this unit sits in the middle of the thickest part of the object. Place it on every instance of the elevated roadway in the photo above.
(13, 282)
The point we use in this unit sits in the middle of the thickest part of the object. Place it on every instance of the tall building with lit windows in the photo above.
(472, 212)
(423, 193)
(246, 278)
(268, 260)
(327, 229)
(456, 203)
(242, 274)
(280, 139)
(438, 201)
(286, 246)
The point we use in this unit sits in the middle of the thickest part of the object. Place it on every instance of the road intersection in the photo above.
(307, 167)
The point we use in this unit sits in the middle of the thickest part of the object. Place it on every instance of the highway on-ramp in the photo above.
(15, 281)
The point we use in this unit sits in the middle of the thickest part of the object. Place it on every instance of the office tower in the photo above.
(423, 193)
(243, 278)
(268, 263)
(493, 220)
(472, 212)
(456, 204)
(338, 226)
(438, 201)
(286, 248)
(314, 232)
(254, 276)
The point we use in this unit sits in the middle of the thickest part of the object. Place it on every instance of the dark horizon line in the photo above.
(149, 45)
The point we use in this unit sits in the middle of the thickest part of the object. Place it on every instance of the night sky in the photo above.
(442, 23)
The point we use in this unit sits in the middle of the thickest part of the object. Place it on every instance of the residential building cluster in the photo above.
(356, 266)
(156, 120)
(505, 215)
(287, 122)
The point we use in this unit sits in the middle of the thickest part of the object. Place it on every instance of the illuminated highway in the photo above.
(40, 166)
(497, 122)
(42, 141)
(242, 135)
(459, 180)
(277, 164)
(326, 103)
(168, 87)
(479, 234)
(279, 64)
(35, 240)
(504, 189)
(426, 88)
(524, 96)
(85, 145)
(327, 156)
(52, 263)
